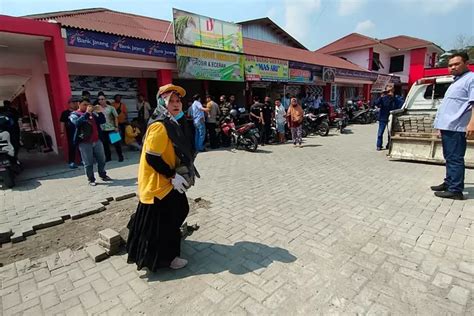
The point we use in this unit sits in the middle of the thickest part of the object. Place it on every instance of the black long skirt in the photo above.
(154, 238)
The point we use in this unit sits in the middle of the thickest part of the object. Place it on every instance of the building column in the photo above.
(327, 92)
(205, 87)
(164, 76)
(366, 91)
(417, 65)
(59, 79)
(142, 87)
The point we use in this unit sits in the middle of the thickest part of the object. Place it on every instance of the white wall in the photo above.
(35, 87)
(358, 57)
(38, 101)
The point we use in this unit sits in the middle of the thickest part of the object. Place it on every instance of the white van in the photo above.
(411, 127)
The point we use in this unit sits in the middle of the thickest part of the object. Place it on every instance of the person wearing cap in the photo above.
(68, 129)
(87, 120)
(165, 172)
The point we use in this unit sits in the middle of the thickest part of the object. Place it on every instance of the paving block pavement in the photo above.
(331, 228)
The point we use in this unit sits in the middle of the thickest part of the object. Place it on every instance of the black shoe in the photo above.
(106, 178)
(120, 159)
(450, 195)
(439, 188)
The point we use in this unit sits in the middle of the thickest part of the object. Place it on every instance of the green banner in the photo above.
(197, 30)
(262, 68)
(194, 63)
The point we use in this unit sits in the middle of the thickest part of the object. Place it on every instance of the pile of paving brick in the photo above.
(108, 244)
(414, 123)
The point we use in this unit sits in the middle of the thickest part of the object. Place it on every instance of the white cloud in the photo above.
(348, 7)
(439, 7)
(366, 27)
(298, 17)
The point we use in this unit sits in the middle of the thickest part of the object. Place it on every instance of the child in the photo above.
(131, 133)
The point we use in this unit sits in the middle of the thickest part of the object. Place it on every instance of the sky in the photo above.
(314, 23)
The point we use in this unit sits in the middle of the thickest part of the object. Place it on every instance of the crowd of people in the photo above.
(90, 128)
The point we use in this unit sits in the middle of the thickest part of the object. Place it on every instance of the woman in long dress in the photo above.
(165, 172)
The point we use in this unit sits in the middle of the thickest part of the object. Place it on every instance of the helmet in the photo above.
(234, 114)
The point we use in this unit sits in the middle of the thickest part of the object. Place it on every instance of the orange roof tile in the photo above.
(351, 41)
(265, 49)
(404, 42)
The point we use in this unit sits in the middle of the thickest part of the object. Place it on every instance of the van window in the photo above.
(439, 90)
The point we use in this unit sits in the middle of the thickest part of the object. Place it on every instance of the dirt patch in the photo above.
(74, 234)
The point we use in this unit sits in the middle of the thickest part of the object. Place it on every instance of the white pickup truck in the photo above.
(411, 127)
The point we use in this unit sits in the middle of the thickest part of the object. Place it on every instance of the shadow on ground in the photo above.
(211, 258)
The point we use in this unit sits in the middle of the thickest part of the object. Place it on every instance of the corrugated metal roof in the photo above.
(135, 26)
(112, 22)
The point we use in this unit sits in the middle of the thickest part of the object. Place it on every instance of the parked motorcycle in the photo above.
(315, 123)
(342, 120)
(357, 116)
(246, 135)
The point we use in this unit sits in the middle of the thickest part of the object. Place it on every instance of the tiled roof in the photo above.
(355, 41)
(405, 42)
(112, 22)
(351, 41)
(265, 49)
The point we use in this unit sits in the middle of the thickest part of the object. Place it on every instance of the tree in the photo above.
(462, 43)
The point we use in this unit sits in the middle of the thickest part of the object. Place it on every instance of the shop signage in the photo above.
(300, 75)
(262, 68)
(202, 31)
(94, 40)
(195, 63)
(380, 84)
(329, 74)
(356, 74)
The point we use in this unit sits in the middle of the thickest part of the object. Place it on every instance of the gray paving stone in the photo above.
(459, 295)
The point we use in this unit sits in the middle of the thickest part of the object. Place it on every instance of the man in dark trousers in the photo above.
(267, 113)
(385, 103)
(14, 115)
(68, 129)
(455, 123)
(256, 116)
(87, 120)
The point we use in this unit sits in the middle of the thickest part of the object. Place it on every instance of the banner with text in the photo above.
(380, 84)
(300, 76)
(195, 63)
(262, 68)
(203, 31)
(94, 40)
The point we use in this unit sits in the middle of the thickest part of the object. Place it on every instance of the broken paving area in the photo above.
(75, 234)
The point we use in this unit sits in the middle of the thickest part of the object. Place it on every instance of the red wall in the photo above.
(417, 65)
(433, 72)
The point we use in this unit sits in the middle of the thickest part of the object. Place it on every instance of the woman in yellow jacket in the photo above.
(166, 171)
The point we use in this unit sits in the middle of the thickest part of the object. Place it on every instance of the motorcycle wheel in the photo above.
(323, 129)
(9, 179)
(305, 132)
(252, 144)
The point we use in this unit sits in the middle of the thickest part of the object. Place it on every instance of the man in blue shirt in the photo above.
(199, 123)
(455, 122)
(385, 103)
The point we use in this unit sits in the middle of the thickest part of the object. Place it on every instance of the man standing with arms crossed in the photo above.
(455, 122)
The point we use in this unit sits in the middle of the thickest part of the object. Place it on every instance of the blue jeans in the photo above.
(89, 151)
(454, 149)
(382, 126)
(199, 135)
